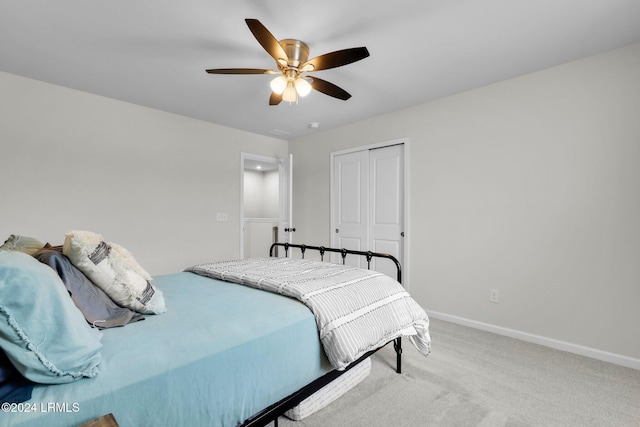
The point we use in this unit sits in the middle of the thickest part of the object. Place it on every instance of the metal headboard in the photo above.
(343, 253)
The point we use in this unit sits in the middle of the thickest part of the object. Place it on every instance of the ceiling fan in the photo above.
(292, 59)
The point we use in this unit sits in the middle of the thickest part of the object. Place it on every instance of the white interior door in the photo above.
(285, 225)
(368, 204)
(351, 198)
(386, 184)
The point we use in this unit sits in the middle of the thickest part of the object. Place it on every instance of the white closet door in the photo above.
(386, 191)
(368, 204)
(350, 204)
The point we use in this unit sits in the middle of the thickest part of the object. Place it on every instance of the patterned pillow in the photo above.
(113, 269)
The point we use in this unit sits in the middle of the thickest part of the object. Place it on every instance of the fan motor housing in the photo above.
(297, 51)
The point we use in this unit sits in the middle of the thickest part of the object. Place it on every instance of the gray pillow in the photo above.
(96, 306)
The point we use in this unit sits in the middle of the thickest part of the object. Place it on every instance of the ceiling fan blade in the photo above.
(267, 40)
(335, 59)
(329, 88)
(241, 71)
(275, 99)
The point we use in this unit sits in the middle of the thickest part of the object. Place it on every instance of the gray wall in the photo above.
(530, 186)
(261, 191)
(261, 211)
(148, 180)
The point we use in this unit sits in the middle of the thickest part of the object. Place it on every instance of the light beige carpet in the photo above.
(476, 378)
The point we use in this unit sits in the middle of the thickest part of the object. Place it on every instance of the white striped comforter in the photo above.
(356, 310)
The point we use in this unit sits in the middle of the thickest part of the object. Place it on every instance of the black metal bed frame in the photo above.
(271, 413)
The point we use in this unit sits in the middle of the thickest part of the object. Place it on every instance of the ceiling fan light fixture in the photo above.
(292, 60)
(290, 94)
(278, 85)
(302, 86)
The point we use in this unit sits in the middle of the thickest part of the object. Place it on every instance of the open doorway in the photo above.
(264, 203)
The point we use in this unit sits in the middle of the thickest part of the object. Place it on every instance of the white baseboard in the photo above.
(593, 353)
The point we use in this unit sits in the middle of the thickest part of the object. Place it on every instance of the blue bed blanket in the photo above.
(220, 354)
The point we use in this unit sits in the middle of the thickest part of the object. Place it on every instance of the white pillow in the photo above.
(112, 268)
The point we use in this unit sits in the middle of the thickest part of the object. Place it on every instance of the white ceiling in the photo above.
(154, 53)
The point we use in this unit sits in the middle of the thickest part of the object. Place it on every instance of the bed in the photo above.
(221, 354)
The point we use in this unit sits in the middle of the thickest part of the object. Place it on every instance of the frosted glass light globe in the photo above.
(278, 85)
(302, 86)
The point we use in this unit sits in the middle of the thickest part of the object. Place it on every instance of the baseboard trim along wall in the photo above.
(593, 353)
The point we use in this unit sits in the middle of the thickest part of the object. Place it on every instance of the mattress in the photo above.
(221, 353)
(332, 391)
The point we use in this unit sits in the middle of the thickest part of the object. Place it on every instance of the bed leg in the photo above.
(397, 346)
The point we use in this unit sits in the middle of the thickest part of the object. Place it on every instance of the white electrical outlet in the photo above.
(494, 295)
